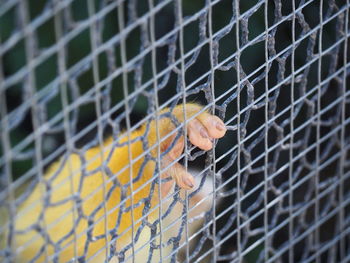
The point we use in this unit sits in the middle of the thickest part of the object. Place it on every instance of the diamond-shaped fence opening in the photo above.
(99, 106)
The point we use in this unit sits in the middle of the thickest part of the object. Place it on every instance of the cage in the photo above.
(110, 151)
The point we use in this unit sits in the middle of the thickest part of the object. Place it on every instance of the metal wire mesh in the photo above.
(76, 80)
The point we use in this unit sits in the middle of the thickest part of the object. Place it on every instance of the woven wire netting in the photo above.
(73, 73)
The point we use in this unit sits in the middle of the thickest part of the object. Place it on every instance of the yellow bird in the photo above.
(85, 212)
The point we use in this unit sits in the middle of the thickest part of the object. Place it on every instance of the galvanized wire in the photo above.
(73, 73)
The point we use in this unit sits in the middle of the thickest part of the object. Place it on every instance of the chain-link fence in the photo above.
(89, 120)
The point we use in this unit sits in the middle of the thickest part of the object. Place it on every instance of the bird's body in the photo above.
(65, 215)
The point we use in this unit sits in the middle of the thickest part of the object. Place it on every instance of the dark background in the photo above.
(252, 57)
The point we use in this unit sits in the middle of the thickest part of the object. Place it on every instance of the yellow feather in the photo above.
(64, 178)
